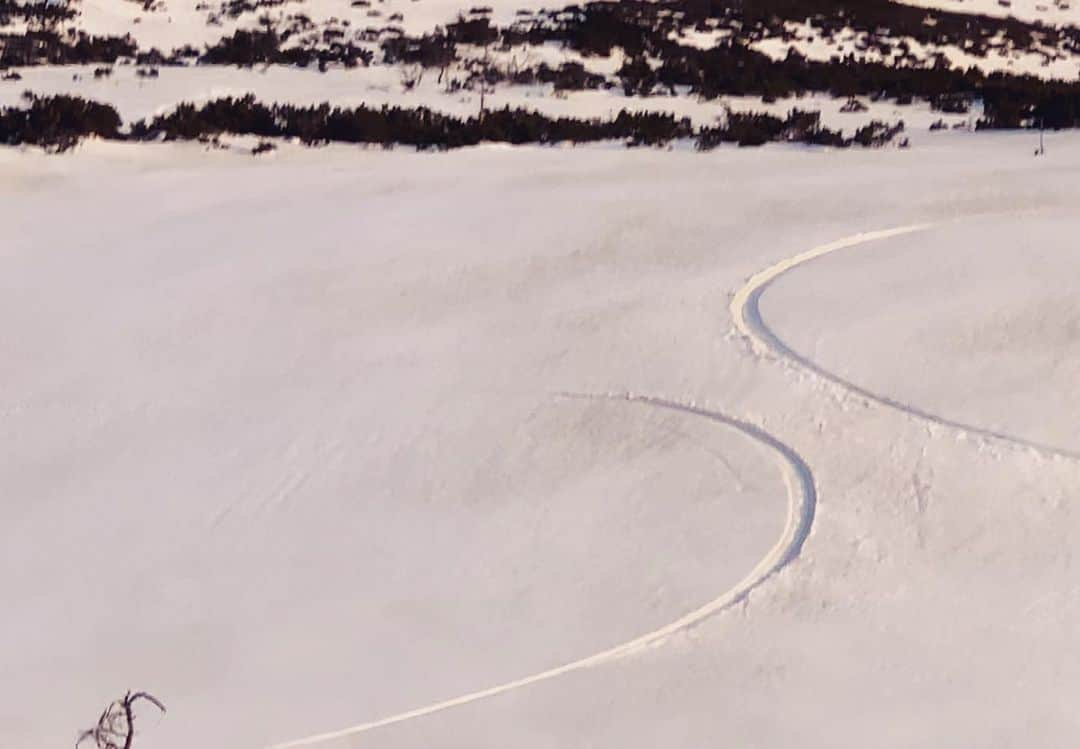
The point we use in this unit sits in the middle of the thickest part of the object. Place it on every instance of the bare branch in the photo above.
(115, 728)
(149, 698)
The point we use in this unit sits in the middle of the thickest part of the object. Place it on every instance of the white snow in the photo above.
(284, 444)
(1052, 12)
(174, 23)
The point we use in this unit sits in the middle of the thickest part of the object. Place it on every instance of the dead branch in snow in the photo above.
(115, 728)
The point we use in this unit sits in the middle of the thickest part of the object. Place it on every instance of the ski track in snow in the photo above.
(802, 494)
(802, 502)
(746, 313)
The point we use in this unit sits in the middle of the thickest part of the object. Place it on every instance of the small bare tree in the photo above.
(115, 728)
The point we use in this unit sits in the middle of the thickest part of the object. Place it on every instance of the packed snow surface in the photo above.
(302, 442)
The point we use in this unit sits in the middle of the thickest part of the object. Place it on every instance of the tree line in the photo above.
(59, 122)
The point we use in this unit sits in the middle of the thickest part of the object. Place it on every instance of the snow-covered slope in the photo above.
(287, 443)
(541, 447)
(374, 53)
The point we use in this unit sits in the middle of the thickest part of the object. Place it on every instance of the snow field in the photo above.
(301, 415)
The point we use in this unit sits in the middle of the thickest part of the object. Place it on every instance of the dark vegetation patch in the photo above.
(755, 129)
(255, 47)
(39, 13)
(658, 63)
(640, 26)
(425, 129)
(1011, 102)
(387, 126)
(57, 123)
(650, 34)
(237, 8)
(43, 47)
(570, 76)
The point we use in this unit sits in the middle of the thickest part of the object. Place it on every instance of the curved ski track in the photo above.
(746, 314)
(802, 496)
(802, 502)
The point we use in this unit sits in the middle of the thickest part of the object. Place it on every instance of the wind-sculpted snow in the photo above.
(802, 500)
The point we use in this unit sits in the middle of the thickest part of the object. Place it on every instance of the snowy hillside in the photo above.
(306, 443)
(676, 57)
(400, 374)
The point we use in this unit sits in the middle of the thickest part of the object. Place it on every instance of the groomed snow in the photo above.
(284, 444)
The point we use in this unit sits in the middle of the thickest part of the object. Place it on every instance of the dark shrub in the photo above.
(57, 122)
